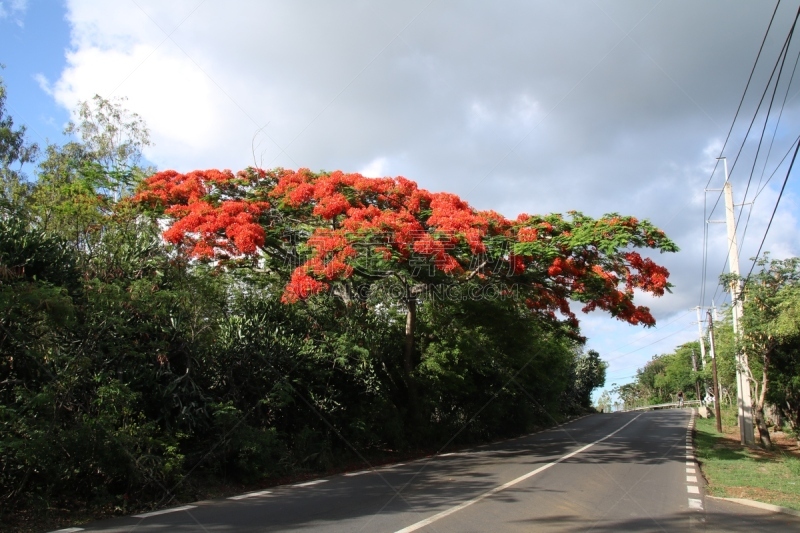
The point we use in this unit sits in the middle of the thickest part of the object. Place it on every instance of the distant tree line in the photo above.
(769, 340)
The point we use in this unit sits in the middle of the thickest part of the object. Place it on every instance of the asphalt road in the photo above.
(602, 473)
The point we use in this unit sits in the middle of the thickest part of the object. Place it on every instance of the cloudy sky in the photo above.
(535, 106)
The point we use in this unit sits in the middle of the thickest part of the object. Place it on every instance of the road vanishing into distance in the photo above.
(601, 473)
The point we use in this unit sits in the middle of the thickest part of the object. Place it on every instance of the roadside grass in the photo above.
(735, 471)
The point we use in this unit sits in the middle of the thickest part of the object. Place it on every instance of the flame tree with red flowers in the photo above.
(127, 329)
(355, 228)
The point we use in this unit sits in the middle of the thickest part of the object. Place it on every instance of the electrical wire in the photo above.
(652, 343)
(789, 151)
(775, 131)
(651, 332)
(769, 152)
(779, 61)
(784, 53)
(722, 150)
(780, 194)
(749, 79)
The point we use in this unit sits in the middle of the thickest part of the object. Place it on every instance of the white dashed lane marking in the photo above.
(694, 503)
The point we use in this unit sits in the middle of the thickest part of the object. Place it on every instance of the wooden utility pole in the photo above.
(743, 400)
(717, 397)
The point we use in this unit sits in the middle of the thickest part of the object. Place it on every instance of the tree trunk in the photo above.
(411, 322)
(773, 415)
(793, 417)
(408, 357)
(763, 431)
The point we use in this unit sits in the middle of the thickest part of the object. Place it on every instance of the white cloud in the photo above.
(44, 83)
(513, 116)
(532, 107)
(15, 10)
(375, 168)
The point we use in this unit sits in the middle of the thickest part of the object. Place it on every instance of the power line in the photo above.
(706, 215)
(777, 168)
(781, 60)
(769, 151)
(651, 332)
(775, 131)
(652, 343)
(722, 150)
(780, 194)
(749, 79)
(785, 54)
(778, 61)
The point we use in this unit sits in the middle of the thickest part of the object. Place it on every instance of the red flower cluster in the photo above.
(651, 277)
(301, 286)
(170, 187)
(231, 227)
(393, 209)
(208, 227)
(526, 234)
(553, 259)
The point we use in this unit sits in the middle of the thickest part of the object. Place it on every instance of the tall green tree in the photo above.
(360, 230)
(79, 183)
(590, 373)
(115, 137)
(770, 324)
(604, 402)
(15, 152)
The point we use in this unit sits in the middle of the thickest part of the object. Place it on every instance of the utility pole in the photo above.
(717, 397)
(702, 343)
(702, 354)
(743, 400)
(696, 381)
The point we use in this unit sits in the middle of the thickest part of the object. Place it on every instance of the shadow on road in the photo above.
(406, 493)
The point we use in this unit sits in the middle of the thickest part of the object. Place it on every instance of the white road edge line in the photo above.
(359, 473)
(250, 495)
(309, 483)
(692, 489)
(165, 511)
(68, 530)
(448, 512)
